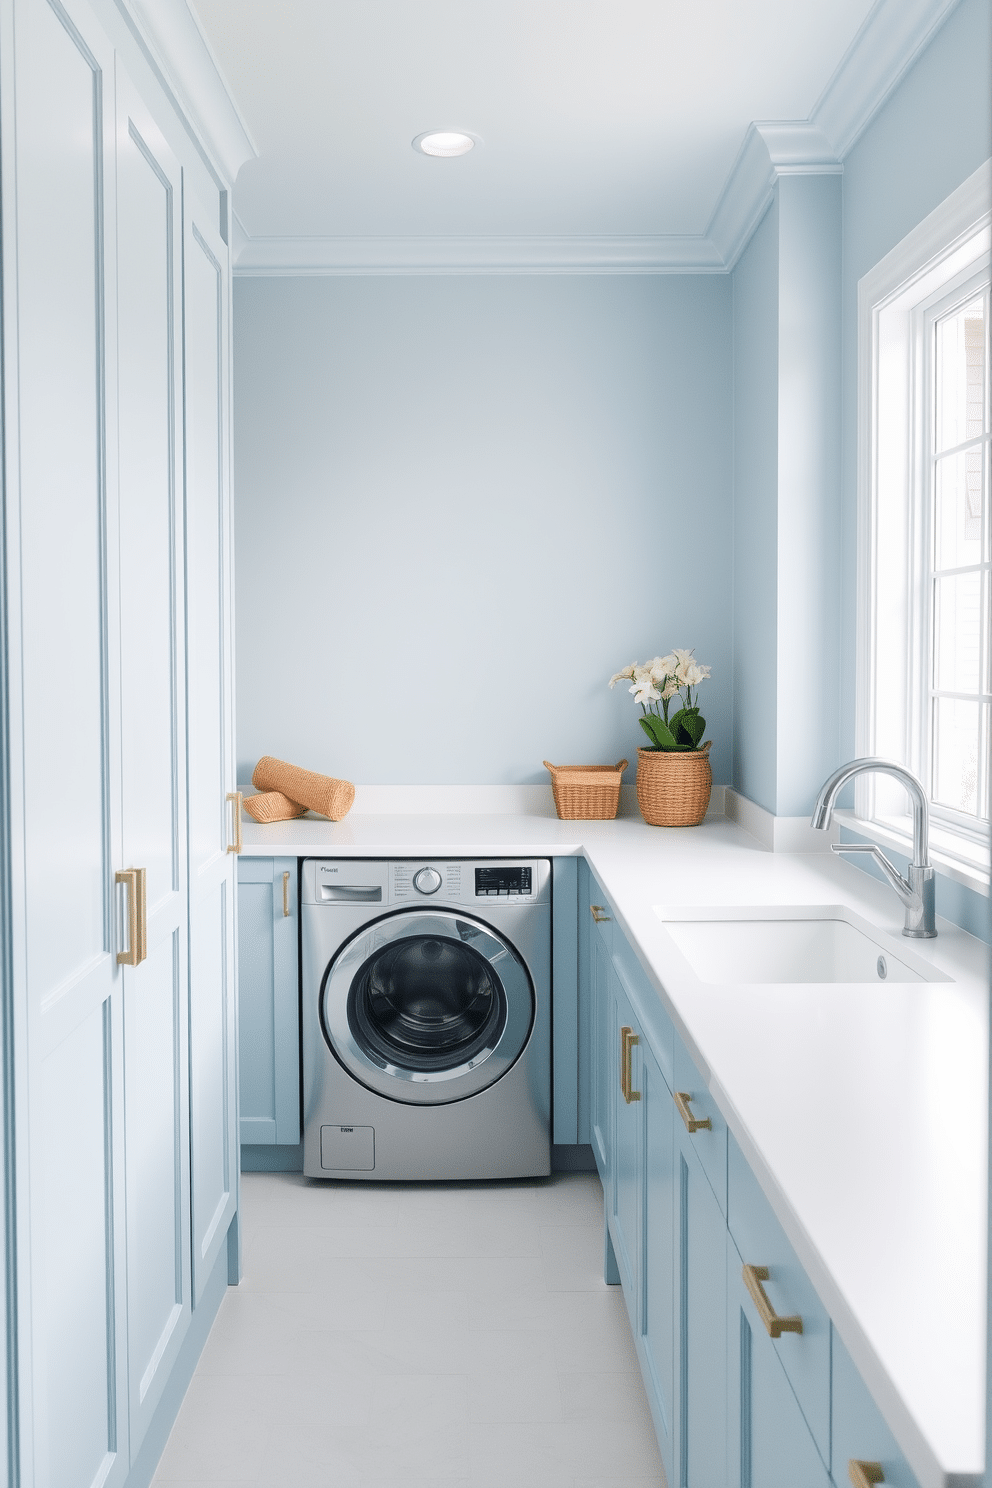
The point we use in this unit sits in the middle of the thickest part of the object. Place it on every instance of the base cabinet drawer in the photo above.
(859, 1433)
(769, 1442)
(699, 1114)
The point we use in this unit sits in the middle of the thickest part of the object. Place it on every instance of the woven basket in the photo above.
(586, 792)
(673, 786)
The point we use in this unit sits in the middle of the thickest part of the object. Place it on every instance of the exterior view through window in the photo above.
(959, 651)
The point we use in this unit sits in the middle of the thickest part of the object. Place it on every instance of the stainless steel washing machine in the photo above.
(426, 1018)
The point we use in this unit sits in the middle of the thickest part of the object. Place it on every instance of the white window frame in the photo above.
(898, 303)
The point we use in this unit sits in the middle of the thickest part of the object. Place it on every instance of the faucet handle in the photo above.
(916, 893)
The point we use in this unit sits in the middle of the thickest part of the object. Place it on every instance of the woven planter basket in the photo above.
(673, 786)
(586, 792)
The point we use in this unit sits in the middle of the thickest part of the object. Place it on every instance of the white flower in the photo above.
(671, 688)
(642, 674)
(645, 692)
(622, 676)
(661, 667)
(694, 674)
(682, 658)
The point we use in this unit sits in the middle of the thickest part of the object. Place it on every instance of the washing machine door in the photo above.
(427, 1007)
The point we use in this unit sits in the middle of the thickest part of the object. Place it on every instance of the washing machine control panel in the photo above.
(502, 880)
(469, 883)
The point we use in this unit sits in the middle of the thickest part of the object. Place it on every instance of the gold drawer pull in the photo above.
(628, 1038)
(692, 1123)
(285, 896)
(238, 799)
(775, 1325)
(863, 1474)
(598, 912)
(137, 916)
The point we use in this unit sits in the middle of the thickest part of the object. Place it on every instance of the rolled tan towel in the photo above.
(273, 806)
(322, 793)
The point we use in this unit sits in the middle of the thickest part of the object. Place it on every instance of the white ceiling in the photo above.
(599, 117)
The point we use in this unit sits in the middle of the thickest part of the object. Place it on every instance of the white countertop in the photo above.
(863, 1111)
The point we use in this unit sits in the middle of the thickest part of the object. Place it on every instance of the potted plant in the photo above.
(674, 778)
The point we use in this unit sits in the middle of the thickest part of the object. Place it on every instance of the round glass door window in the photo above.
(427, 1007)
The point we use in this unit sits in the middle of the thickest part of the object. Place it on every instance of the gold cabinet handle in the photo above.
(285, 896)
(628, 1038)
(775, 1325)
(238, 798)
(598, 912)
(863, 1474)
(692, 1123)
(133, 880)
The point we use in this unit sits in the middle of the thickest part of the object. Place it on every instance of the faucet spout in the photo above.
(916, 893)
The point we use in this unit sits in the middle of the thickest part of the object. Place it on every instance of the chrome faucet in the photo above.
(916, 893)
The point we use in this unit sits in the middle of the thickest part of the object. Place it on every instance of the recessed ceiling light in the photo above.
(445, 142)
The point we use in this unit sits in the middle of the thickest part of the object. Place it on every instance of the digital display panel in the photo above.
(502, 881)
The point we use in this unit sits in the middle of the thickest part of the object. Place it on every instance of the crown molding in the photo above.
(174, 41)
(889, 42)
(770, 150)
(473, 255)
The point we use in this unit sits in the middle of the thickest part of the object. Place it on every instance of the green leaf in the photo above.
(658, 732)
(687, 727)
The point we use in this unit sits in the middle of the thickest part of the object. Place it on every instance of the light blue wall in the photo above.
(462, 503)
(786, 292)
(755, 305)
(931, 134)
(808, 475)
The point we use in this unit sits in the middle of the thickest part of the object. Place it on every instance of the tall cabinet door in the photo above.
(153, 767)
(61, 536)
(209, 649)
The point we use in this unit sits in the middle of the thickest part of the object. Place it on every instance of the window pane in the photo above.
(955, 754)
(960, 381)
(957, 633)
(958, 513)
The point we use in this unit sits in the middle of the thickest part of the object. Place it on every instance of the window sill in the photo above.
(971, 871)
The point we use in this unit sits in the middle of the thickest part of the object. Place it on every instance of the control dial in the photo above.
(427, 881)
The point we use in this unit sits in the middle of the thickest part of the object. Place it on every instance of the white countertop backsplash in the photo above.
(862, 1110)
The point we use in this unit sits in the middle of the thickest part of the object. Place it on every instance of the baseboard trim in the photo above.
(784, 834)
(145, 1465)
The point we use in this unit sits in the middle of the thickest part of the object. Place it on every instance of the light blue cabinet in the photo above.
(761, 1241)
(859, 1433)
(116, 534)
(701, 1325)
(623, 1193)
(769, 1444)
(736, 1402)
(657, 1309)
(269, 1000)
(601, 1062)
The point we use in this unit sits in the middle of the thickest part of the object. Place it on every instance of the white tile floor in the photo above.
(385, 1336)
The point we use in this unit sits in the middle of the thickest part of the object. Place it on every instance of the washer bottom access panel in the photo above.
(426, 1019)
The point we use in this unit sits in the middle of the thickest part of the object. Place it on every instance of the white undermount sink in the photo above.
(809, 943)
